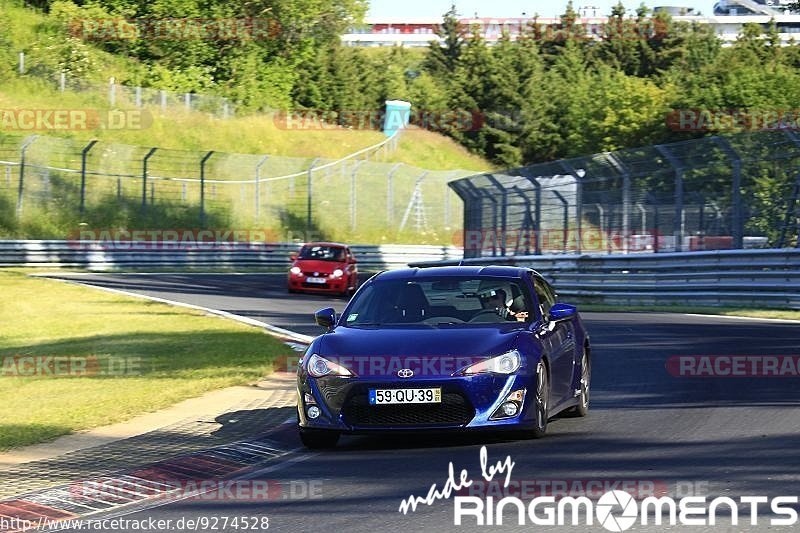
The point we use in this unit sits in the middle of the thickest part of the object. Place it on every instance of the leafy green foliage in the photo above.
(552, 92)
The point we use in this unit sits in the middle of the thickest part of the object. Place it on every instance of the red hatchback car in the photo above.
(323, 267)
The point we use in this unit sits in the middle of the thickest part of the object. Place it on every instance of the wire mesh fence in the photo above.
(711, 193)
(52, 187)
(123, 96)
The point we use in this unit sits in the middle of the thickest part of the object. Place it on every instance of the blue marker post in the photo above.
(398, 115)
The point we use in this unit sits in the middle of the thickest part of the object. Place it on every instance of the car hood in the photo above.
(426, 351)
(313, 265)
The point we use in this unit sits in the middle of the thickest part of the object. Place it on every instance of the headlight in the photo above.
(337, 273)
(296, 271)
(508, 363)
(319, 366)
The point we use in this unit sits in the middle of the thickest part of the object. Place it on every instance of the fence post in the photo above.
(203, 188)
(22, 62)
(736, 191)
(84, 155)
(626, 198)
(62, 82)
(453, 176)
(578, 174)
(258, 185)
(677, 223)
(390, 194)
(656, 220)
(144, 176)
(163, 95)
(565, 224)
(353, 176)
(23, 151)
(112, 91)
(791, 216)
(187, 100)
(309, 199)
(503, 213)
(138, 97)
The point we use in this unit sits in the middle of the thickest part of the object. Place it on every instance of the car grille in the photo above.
(454, 410)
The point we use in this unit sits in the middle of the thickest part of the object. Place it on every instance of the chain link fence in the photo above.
(52, 187)
(705, 194)
(125, 96)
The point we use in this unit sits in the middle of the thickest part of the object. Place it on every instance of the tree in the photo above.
(443, 59)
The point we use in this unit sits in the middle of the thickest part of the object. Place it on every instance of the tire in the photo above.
(582, 409)
(541, 402)
(318, 439)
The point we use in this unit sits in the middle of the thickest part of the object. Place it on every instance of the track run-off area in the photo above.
(658, 419)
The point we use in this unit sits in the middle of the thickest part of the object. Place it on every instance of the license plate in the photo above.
(404, 396)
(317, 281)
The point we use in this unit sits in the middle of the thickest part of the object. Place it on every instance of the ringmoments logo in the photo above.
(615, 510)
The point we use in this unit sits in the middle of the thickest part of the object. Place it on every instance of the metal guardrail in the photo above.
(733, 278)
(99, 255)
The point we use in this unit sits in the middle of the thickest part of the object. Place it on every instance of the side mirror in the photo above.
(353, 260)
(325, 318)
(293, 256)
(562, 312)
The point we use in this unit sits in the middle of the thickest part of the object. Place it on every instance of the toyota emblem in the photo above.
(405, 373)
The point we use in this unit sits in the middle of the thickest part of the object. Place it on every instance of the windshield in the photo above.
(439, 301)
(322, 253)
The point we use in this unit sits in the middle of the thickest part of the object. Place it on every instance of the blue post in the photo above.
(398, 115)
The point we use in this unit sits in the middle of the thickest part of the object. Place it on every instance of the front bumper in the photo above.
(298, 283)
(468, 403)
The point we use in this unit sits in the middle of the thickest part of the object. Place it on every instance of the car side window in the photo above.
(545, 297)
(553, 297)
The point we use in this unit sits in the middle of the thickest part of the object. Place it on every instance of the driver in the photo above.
(495, 300)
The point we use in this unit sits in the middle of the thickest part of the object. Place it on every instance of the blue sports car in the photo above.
(444, 349)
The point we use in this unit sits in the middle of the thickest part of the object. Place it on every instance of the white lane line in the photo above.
(280, 332)
(223, 273)
(751, 318)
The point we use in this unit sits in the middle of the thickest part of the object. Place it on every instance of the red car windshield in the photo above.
(322, 253)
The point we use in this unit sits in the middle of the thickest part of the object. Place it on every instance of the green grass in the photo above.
(171, 353)
(723, 311)
(254, 134)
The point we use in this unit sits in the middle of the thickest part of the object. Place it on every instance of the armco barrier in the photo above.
(94, 255)
(734, 278)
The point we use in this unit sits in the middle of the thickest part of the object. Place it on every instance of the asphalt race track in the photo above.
(705, 436)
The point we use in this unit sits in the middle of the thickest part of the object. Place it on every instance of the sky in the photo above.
(513, 8)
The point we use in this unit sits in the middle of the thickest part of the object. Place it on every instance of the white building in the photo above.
(727, 20)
